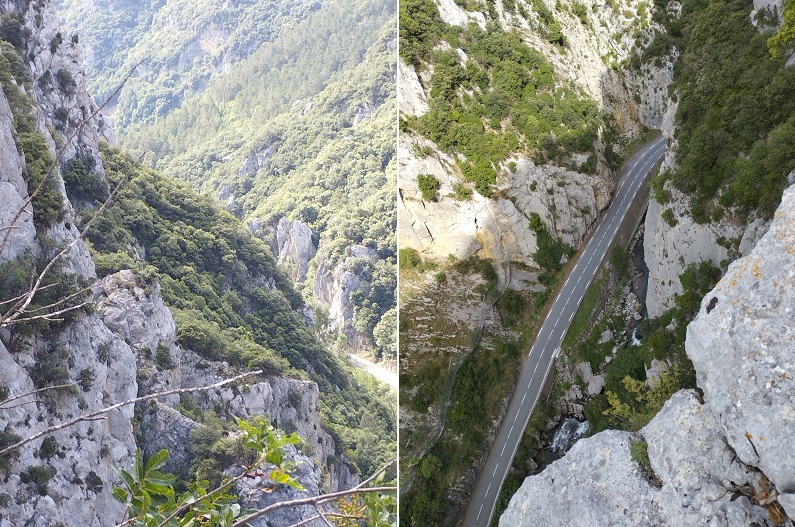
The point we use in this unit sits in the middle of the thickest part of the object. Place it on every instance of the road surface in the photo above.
(377, 371)
(546, 347)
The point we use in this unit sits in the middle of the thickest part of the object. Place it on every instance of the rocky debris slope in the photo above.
(718, 459)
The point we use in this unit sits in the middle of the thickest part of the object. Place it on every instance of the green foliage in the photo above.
(429, 186)
(39, 476)
(474, 399)
(628, 402)
(639, 450)
(94, 482)
(619, 260)
(581, 12)
(51, 367)
(462, 192)
(484, 267)
(549, 251)
(215, 277)
(163, 358)
(409, 258)
(86, 378)
(49, 448)
(515, 104)
(150, 497)
(781, 44)
(736, 113)
(39, 164)
(668, 216)
(82, 183)
(8, 438)
(420, 29)
(66, 81)
(13, 31)
(385, 334)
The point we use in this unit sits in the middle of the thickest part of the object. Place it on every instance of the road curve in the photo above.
(634, 174)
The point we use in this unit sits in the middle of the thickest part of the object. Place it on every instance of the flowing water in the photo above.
(568, 431)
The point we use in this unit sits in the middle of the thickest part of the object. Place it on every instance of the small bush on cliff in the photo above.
(39, 476)
(429, 185)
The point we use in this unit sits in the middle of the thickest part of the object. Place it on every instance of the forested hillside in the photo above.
(229, 300)
(299, 127)
(182, 44)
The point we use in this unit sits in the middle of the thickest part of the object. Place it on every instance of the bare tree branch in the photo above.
(94, 415)
(310, 501)
(16, 397)
(17, 298)
(19, 308)
(322, 514)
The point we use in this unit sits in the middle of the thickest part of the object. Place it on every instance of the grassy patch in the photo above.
(578, 325)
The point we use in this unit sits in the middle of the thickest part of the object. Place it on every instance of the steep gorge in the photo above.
(161, 252)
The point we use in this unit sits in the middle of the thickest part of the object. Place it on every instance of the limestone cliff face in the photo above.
(568, 201)
(720, 460)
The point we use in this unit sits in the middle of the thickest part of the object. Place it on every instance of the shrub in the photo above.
(8, 438)
(49, 448)
(56, 41)
(82, 183)
(51, 367)
(66, 81)
(86, 378)
(668, 216)
(408, 258)
(462, 192)
(163, 358)
(39, 476)
(94, 482)
(429, 185)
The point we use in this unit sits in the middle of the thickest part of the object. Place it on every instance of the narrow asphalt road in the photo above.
(547, 345)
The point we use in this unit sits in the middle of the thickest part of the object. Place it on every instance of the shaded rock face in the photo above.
(702, 453)
(333, 287)
(294, 247)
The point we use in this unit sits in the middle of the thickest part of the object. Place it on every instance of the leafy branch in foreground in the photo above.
(152, 501)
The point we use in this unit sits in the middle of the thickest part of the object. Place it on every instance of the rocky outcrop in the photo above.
(566, 201)
(334, 284)
(579, 491)
(124, 347)
(721, 457)
(84, 456)
(294, 247)
(13, 192)
(742, 352)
